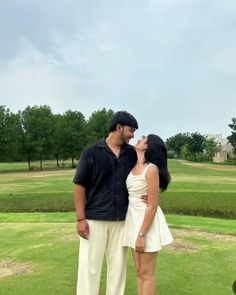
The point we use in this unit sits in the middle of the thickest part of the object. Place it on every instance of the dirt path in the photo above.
(181, 244)
(11, 268)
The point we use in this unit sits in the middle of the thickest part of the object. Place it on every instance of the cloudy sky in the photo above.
(171, 63)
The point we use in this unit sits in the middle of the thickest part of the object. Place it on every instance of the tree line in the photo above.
(196, 147)
(37, 134)
(192, 146)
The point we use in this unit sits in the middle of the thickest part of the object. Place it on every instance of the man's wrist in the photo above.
(141, 234)
(81, 219)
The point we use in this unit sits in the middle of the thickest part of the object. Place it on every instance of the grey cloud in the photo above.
(169, 56)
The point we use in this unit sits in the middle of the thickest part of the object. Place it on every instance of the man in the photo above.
(101, 201)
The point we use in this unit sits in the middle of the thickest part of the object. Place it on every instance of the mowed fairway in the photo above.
(196, 189)
(201, 189)
(36, 191)
(39, 251)
(41, 257)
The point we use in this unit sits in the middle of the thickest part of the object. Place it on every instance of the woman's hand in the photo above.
(140, 244)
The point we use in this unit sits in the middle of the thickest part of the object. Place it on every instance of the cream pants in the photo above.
(105, 237)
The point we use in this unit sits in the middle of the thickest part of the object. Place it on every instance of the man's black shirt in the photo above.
(104, 177)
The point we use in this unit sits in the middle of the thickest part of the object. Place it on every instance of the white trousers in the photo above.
(105, 237)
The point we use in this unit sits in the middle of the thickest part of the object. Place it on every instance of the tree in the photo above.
(10, 135)
(193, 150)
(210, 147)
(232, 137)
(97, 125)
(58, 137)
(3, 113)
(195, 143)
(185, 154)
(13, 137)
(177, 142)
(38, 129)
(73, 134)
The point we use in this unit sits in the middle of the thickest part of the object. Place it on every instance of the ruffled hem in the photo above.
(157, 237)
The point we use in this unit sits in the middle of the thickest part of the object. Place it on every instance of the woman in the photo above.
(146, 230)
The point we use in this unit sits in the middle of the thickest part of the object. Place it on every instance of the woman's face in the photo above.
(141, 144)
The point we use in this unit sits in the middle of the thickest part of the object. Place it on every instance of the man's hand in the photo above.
(145, 199)
(83, 229)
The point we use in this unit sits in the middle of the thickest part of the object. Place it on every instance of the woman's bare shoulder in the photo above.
(152, 170)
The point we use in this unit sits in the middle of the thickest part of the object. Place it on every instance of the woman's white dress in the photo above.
(158, 234)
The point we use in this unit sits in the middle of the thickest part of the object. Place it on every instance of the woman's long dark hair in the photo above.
(156, 153)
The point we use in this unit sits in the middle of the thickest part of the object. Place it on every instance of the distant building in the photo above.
(226, 148)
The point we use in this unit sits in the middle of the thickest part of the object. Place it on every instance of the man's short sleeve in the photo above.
(83, 170)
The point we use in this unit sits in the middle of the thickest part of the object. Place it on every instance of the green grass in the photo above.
(207, 224)
(36, 191)
(201, 264)
(200, 203)
(14, 166)
(23, 166)
(196, 189)
(201, 261)
(38, 217)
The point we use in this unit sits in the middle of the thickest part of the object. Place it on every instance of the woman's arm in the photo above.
(152, 177)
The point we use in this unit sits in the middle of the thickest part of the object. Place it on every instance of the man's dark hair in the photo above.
(123, 118)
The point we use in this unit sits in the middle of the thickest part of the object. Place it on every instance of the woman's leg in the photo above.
(145, 264)
(147, 272)
(137, 262)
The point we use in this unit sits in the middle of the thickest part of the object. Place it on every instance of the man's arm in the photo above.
(79, 201)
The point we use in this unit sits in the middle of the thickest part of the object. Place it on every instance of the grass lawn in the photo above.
(39, 256)
(23, 166)
(36, 191)
(206, 224)
(196, 189)
(39, 250)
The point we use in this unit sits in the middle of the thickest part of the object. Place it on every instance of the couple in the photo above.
(113, 176)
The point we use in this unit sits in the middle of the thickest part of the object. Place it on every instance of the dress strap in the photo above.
(146, 168)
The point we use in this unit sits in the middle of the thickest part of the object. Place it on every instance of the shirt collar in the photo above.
(102, 144)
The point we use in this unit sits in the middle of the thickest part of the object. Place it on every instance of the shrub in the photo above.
(170, 155)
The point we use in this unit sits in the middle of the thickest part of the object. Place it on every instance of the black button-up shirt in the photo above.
(104, 177)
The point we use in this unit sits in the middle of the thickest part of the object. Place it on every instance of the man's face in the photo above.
(126, 133)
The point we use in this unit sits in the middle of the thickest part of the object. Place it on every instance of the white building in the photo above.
(226, 149)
